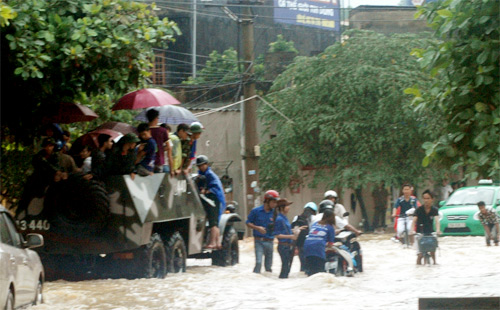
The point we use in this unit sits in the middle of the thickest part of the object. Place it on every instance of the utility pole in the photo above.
(251, 141)
(194, 39)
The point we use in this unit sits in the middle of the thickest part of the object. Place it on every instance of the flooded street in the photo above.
(391, 281)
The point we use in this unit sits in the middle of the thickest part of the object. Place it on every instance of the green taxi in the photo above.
(459, 214)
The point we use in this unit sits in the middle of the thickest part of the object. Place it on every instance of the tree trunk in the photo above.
(359, 198)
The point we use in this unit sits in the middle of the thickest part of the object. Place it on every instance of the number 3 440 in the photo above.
(34, 225)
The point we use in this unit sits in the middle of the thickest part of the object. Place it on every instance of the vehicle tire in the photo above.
(404, 239)
(151, 259)
(9, 303)
(230, 254)
(38, 294)
(177, 254)
(77, 206)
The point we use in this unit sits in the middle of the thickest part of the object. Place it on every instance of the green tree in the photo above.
(464, 67)
(87, 51)
(282, 45)
(351, 122)
(223, 69)
(56, 51)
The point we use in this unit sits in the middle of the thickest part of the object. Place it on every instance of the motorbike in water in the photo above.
(427, 244)
(345, 257)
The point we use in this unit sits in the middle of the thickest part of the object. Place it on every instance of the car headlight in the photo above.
(476, 216)
(440, 215)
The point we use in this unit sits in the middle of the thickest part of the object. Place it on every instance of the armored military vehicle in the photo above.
(123, 227)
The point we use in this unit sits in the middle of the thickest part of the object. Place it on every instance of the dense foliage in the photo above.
(465, 70)
(351, 122)
(55, 51)
(86, 51)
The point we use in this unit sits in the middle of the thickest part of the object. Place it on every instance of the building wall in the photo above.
(386, 19)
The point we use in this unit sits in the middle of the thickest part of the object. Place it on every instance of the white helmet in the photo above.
(329, 194)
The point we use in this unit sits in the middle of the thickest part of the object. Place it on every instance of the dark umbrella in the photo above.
(66, 113)
(144, 98)
(90, 138)
(122, 128)
(170, 114)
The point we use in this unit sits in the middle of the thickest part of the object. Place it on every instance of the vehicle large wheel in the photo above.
(230, 254)
(38, 294)
(9, 303)
(77, 206)
(359, 257)
(177, 254)
(152, 259)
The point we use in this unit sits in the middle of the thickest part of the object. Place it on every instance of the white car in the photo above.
(21, 271)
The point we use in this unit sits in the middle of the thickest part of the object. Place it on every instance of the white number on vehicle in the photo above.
(34, 225)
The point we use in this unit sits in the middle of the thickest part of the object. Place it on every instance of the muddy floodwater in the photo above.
(391, 280)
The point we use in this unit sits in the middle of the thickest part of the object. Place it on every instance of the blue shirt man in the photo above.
(259, 221)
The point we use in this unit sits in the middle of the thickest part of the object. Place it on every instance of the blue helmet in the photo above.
(311, 205)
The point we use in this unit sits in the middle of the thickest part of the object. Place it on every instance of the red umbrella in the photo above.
(66, 113)
(90, 138)
(122, 128)
(144, 98)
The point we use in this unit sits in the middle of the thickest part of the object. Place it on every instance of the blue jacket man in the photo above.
(213, 199)
(260, 220)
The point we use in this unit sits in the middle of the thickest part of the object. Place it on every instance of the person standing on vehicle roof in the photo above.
(214, 191)
(423, 220)
(403, 204)
(160, 135)
(283, 232)
(196, 129)
(489, 219)
(339, 209)
(260, 220)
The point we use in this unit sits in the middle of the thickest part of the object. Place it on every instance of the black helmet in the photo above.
(325, 205)
(200, 160)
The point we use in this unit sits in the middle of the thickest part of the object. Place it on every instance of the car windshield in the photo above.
(471, 196)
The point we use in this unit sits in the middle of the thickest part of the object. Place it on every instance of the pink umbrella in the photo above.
(144, 98)
(90, 138)
(122, 128)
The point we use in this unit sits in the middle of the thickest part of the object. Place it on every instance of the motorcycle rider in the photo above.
(259, 221)
(402, 205)
(340, 222)
(339, 209)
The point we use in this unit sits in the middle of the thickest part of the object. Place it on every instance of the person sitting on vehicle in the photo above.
(423, 220)
(283, 232)
(304, 220)
(401, 206)
(122, 159)
(338, 208)
(46, 167)
(212, 189)
(320, 234)
(148, 153)
(81, 156)
(98, 166)
(340, 222)
(260, 221)
(160, 135)
(489, 220)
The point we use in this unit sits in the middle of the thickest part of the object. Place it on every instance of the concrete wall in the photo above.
(386, 19)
